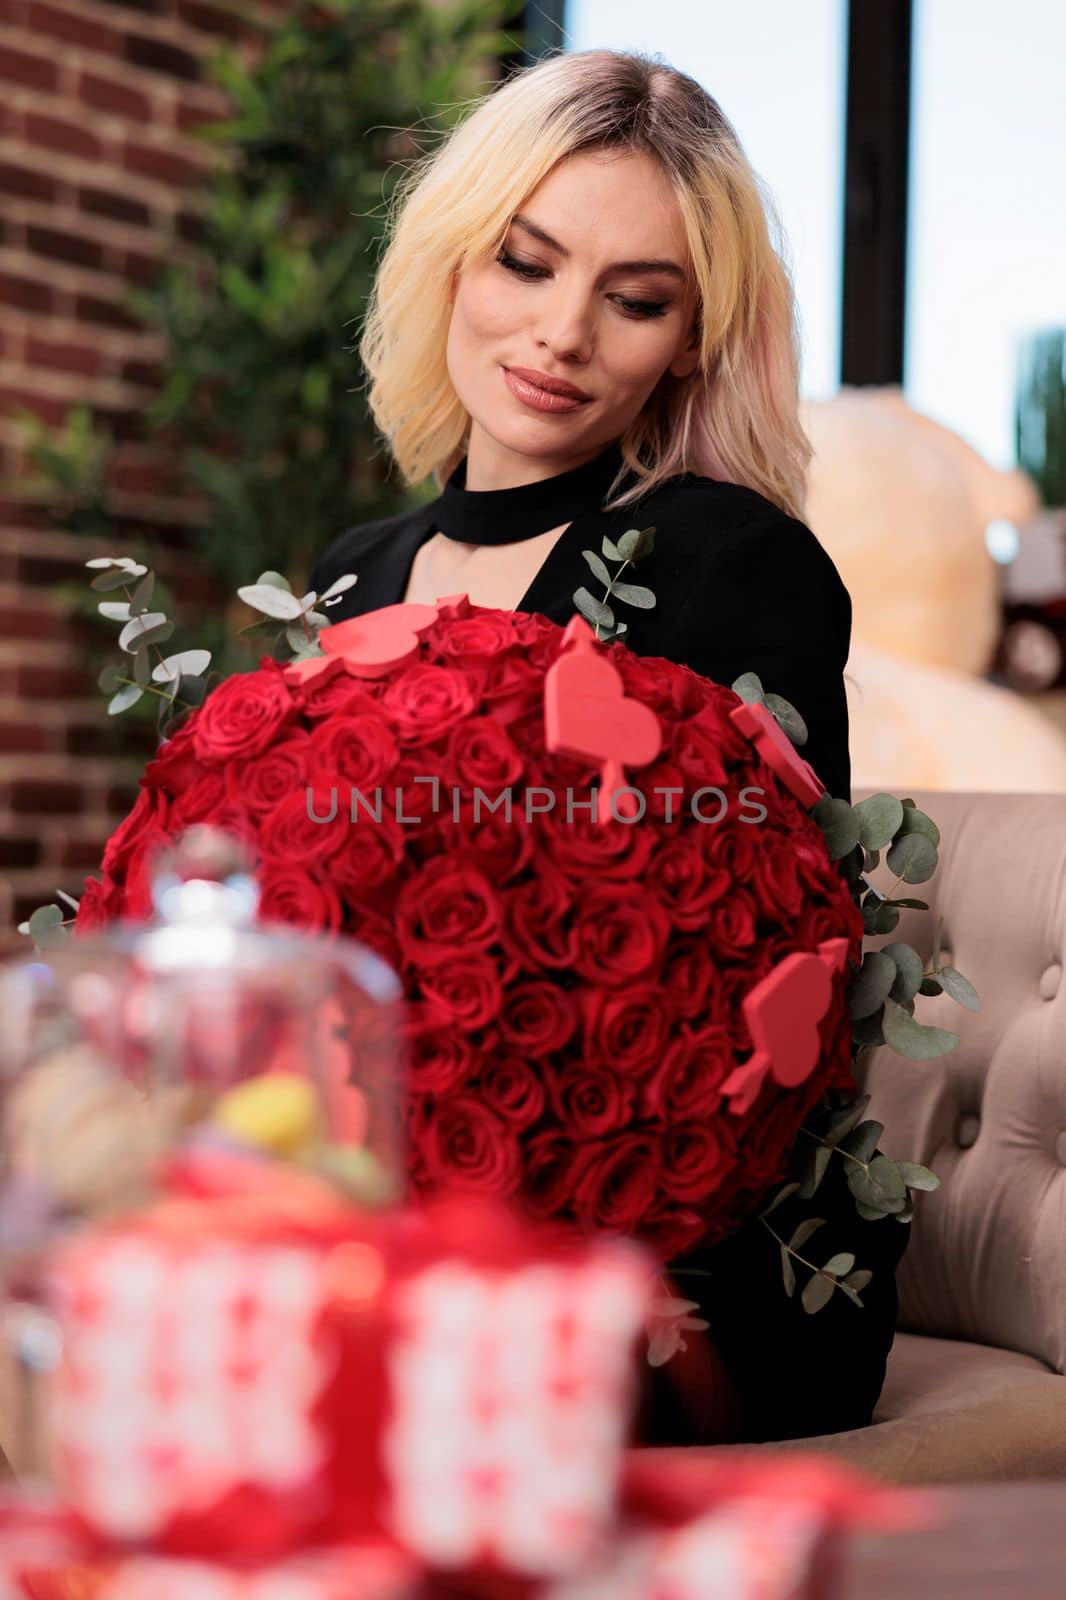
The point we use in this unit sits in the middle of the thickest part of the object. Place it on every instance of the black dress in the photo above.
(740, 586)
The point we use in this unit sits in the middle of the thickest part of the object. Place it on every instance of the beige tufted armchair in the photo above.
(974, 1388)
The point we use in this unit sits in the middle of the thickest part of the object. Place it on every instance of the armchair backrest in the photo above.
(987, 1259)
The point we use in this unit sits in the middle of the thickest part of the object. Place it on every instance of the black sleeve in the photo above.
(788, 618)
(794, 1374)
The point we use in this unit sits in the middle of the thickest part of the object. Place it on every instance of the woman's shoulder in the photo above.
(715, 521)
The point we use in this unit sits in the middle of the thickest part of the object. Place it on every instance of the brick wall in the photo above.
(95, 102)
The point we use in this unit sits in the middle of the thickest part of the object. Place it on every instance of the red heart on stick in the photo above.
(587, 713)
(782, 1013)
(778, 751)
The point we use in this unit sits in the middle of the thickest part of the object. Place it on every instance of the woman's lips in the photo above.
(539, 399)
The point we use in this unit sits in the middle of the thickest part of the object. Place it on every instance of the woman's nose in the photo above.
(567, 327)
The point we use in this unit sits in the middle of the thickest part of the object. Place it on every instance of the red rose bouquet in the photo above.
(620, 1018)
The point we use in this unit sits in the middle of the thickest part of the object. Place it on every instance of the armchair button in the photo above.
(967, 1129)
(1050, 979)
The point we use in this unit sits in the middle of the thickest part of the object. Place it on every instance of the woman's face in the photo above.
(573, 310)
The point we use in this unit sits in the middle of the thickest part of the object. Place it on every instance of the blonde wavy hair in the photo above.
(736, 417)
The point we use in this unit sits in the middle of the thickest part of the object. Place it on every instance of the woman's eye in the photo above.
(630, 308)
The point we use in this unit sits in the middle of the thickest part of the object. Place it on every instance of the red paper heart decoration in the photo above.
(586, 713)
(782, 1013)
(372, 645)
(778, 751)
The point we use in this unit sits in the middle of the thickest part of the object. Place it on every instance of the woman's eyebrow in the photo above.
(518, 220)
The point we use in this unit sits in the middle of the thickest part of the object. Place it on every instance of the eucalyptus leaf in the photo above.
(916, 821)
(913, 858)
(632, 594)
(918, 1177)
(636, 543)
(931, 985)
(111, 580)
(870, 860)
(851, 1294)
(598, 569)
(271, 601)
(109, 678)
(749, 687)
(592, 609)
(871, 984)
(192, 662)
(610, 549)
(782, 1194)
(839, 1265)
(787, 1272)
(115, 610)
(154, 635)
(44, 918)
(869, 1030)
(840, 825)
(804, 1230)
(880, 1185)
(788, 718)
(141, 596)
(194, 690)
(906, 1214)
(126, 697)
(135, 631)
(861, 1142)
(915, 1040)
(878, 914)
(275, 580)
(959, 988)
(69, 898)
(338, 587)
(879, 818)
(859, 1278)
(909, 970)
(816, 1158)
(870, 1213)
(141, 669)
(845, 1119)
(817, 1292)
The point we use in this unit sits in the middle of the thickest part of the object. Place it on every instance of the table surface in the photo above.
(994, 1541)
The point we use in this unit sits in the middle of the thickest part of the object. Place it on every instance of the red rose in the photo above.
(445, 907)
(730, 847)
(467, 1146)
(688, 977)
(583, 848)
(464, 990)
(686, 883)
(438, 1058)
(775, 882)
(688, 1081)
(511, 1088)
(98, 905)
(291, 894)
(307, 827)
(146, 817)
(538, 921)
(553, 1162)
(358, 748)
(618, 1182)
(629, 1028)
(202, 798)
(334, 692)
(697, 755)
(621, 933)
(591, 1100)
(538, 1018)
(731, 926)
(426, 700)
(502, 848)
(483, 756)
(479, 635)
(370, 857)
(695, 1160)
(244, 715)
(271, 777)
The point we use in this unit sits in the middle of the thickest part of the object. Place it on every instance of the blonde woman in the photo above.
(581, 324)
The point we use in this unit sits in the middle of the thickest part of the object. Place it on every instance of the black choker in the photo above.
(504, 516)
